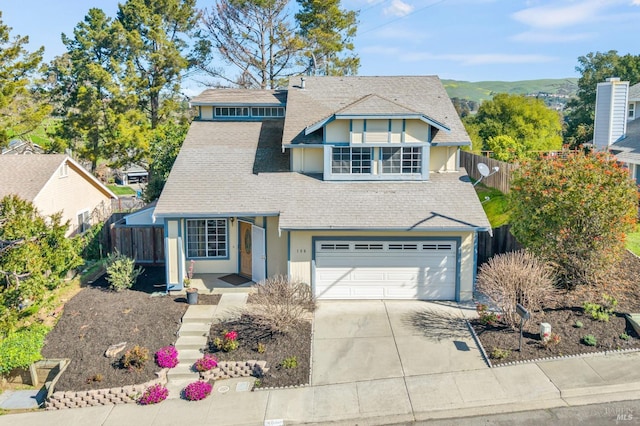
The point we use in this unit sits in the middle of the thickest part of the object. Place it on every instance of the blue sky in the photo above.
(471, 40)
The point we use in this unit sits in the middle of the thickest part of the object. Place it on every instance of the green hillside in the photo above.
(482, 90)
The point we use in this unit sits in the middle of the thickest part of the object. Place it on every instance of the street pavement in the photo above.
(386, 362)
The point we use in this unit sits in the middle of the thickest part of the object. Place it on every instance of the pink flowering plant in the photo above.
(153, 395)
(197, 390)
(167, 357)
(206, 363)
(229, 341)
(486, 316)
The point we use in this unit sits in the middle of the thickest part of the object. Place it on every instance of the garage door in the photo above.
(385, 270)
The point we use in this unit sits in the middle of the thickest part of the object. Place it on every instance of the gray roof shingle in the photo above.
(324, 96)
(223, 170)
(26, 175)
(634, 92)
(240, 97)
(628, 148)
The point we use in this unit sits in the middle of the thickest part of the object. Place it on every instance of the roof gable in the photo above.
(322, 97)
(26, 175)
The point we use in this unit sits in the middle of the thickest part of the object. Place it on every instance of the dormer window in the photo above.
(347, 160)
(267, 112)
(403, 160)
(232, 112)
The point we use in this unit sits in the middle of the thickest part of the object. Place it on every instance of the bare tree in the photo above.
(254, 36)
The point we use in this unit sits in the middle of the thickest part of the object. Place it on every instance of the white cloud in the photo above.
(550, 37)
(480, 59)
(636, 2)
(398, 8)
(554, 16)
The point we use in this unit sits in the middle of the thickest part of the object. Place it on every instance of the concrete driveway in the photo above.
(364, 340)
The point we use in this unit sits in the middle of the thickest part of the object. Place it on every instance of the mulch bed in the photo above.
(297, 342)
(563, 313)
(96, 318)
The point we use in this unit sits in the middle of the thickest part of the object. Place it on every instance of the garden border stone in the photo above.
(543, 359)
(96, 397)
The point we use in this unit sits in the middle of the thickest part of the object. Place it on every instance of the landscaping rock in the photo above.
(114, 350)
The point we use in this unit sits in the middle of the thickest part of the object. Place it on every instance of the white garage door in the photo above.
(385, 270)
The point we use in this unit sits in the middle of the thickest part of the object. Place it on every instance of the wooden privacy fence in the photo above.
(144, 243)
(500, 180)
(502, 241)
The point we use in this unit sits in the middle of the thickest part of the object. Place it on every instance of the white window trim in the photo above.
(402, 149)
(351, 149)
(206, 242)
(87, 220)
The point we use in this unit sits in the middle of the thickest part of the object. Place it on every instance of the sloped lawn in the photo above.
(96, 318)
(565, 315)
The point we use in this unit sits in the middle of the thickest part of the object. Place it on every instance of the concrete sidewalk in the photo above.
(381, 363)
(382, 401)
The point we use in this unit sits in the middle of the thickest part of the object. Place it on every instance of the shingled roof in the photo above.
(26, 175)
(240, 97)
(237, 169)
(628, 148)
(323, 97)
(634, 92)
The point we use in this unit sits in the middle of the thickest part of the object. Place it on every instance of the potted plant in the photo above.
(192, 292)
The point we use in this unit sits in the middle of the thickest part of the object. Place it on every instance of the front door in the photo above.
(245, 249)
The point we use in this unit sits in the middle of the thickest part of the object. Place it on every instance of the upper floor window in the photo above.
(347, 160)
(232, 112)
(63, 171)
(401, 159)
(207, 238)
(632, 110)
(267, 112)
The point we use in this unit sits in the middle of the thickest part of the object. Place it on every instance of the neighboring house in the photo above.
(17, 146)
(617, 122)
(134, 173)
(350, 184)
(56, 183)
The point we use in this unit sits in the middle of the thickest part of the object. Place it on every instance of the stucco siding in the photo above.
(307, 160)
(443, 159)
(276, 248)
(377, 131)
(396, 131)
(301, 252)
(357, 130)
(416, 131)
(337, 131)
(206, 113)
(72, 194)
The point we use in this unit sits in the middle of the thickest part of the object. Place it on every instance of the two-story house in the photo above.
(350, 184)
(617, 123)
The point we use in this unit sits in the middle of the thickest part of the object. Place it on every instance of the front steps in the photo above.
(193, 335)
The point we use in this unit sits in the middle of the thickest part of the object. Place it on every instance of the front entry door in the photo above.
(245, 249)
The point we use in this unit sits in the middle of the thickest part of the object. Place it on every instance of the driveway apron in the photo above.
(365, 340)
